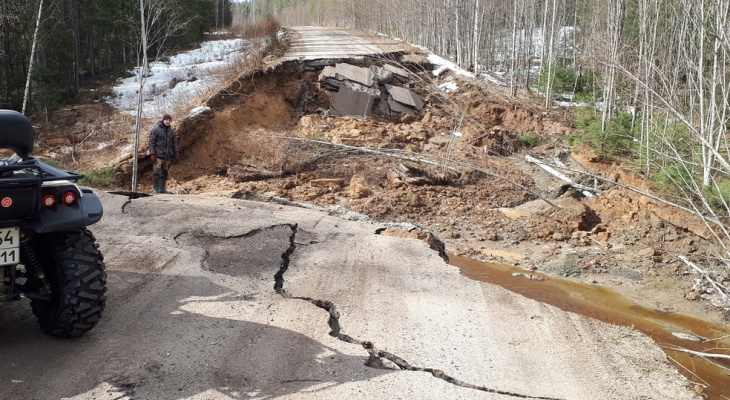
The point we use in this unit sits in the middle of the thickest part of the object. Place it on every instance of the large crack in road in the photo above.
(220, 257)
(377, 358)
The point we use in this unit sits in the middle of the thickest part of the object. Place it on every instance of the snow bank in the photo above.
(182, 79)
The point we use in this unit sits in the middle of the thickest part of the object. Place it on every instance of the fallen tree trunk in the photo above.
(587, 191)
(703, 354)
(720, 289)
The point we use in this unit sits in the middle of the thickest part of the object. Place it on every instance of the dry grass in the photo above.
(263, 28)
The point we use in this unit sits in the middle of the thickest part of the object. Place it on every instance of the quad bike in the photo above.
(46, 253)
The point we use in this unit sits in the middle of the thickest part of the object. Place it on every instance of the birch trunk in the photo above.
(142, 76)
(32, 57)
(476, 38)
(550, 56)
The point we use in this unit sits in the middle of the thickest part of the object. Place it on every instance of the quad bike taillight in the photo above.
(48, 201)
(69, 198)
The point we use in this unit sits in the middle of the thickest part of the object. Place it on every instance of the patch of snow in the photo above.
(449, 87)
(126, 150)
(489, 78)
(197, 111)
(182, 79)
(446, 65)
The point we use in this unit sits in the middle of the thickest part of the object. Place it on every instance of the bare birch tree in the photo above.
(614, 16)
(32, 56)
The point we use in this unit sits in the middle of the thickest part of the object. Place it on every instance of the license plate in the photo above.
(9, 246)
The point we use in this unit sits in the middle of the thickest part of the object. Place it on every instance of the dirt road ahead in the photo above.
(193, 314)
(317, 43)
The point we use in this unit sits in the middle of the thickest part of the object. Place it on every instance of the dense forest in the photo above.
(81, 40)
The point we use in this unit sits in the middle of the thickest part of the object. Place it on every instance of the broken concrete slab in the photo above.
(349, 103)
(382, 75)
(400, 108)
(335, 86)
(356, 74)
(328, 78)
(350, 72)
(401, 73)
(405, 96)
(373, 85)
(354, 86)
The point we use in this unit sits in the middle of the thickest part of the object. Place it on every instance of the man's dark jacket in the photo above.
(163, 141)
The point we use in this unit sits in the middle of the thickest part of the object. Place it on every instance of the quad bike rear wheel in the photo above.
(74, 269)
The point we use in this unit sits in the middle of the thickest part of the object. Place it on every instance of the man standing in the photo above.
(163, 148)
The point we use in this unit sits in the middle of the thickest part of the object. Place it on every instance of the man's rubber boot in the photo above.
(163, 183)
(156, 185)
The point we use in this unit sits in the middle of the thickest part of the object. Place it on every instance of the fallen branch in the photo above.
(395, 153)
(720, 289)
(690, 337)
(702, 354)
(371, 151)
(587, 191)
(596, 240)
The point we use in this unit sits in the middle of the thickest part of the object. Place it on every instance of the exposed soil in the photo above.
(268, 134)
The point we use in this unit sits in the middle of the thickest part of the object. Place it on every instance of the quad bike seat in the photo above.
(16, 133)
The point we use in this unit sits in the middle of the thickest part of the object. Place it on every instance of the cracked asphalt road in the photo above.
(219, 298)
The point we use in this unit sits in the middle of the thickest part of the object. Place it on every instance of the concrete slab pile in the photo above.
(358, 89)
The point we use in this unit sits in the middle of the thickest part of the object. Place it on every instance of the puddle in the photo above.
(605, 305)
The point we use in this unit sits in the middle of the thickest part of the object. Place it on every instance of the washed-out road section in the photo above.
(220, 298)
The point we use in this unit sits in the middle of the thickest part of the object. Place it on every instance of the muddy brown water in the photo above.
(605, 305)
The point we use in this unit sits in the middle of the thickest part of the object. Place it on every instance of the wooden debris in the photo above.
(703, 354)
(587, 191)
(722, 290)
(690, 337)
